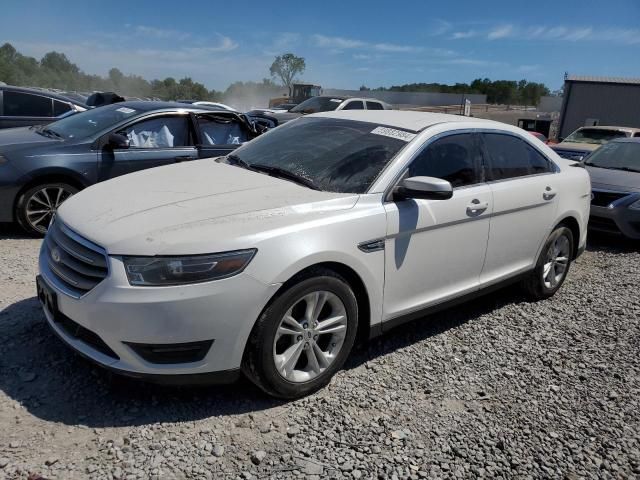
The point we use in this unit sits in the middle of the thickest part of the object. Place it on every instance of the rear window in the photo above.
(20, 104)
(374, 106)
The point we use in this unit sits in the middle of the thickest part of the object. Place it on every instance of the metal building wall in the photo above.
(610, 103)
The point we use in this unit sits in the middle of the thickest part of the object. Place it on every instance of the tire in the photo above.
(550, 273)
(44, 199)
(265, 359)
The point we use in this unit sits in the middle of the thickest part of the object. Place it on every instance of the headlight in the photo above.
(635, 205)
(162, 271)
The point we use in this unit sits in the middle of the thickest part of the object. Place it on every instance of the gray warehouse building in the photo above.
(599, 101)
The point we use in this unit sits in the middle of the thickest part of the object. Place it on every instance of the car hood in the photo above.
(13, 139)
(284, 117)
(615, 180)
(196, 207)
(576, 146)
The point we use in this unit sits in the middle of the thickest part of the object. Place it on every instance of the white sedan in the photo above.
(273, 260)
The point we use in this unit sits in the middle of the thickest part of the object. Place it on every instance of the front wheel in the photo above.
(303, 337)
(552, 266)
(37, 205)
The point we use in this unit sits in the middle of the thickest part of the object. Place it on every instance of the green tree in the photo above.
(286, 67)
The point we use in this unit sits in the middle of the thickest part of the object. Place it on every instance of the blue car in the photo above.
(42, 166)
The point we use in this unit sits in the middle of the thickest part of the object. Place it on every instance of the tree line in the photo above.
(499, 91)
(55, 70)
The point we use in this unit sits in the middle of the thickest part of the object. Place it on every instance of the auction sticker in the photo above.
(125, 110)
(393, 133)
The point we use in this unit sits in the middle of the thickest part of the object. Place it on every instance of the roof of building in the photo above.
(594, 79)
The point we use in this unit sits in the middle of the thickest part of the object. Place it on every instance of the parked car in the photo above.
(40, 167)
(272, 260)
(615, 180)
(330, 104)
(540, 136)
(587, 139)
(21, 107)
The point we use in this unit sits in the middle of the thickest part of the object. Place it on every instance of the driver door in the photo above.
(153, 142)
(435, 249)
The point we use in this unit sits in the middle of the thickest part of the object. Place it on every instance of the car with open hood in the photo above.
(42, 166)
(271, 261)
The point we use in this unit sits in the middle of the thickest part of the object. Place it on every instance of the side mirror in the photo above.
(118, 141)
(426, 188)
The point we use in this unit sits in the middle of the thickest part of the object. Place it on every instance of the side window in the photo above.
(60, 108)
(637, 134)
(160, 132)
(511, 157)
(454, 158)
(221, 131)
(374, 106)
(354, 105)
(20, 104)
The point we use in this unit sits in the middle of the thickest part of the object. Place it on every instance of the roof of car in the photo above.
(627, 140)
(57, 96)
(611, 127)
(147, 105)
(407, 120)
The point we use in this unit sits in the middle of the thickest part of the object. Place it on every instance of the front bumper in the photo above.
(617, 220)
(122, 316)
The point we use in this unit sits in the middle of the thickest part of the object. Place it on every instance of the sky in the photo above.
(346, 44)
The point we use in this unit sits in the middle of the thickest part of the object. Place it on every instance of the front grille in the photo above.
(604, 199)
(85, 335)
(75, 262)
(604, 224)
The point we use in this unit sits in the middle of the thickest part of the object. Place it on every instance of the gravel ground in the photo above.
(497, 388)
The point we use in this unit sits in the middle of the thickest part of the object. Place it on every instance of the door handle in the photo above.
(549, 193)
(476, 207)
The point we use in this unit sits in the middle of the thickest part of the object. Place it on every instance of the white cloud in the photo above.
(337, 42)
(463, 34)
(500, 32)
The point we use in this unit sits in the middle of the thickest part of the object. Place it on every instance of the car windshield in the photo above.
(596, 136)
(617, 156)
(86, 124)
(317, 104)
(332, 154)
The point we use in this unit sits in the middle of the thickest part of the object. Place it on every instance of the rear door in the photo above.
(22, 109)
(523, 185)
(154, 141)
(218, 134)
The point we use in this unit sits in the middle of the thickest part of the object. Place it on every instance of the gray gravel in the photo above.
(497, 388)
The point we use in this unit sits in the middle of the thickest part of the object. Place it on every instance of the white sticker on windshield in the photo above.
(335, 100)
(393, 133)
(125, 110)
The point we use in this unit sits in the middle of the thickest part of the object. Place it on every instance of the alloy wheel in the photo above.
(310, 336)
(556, 262)
(42, 204)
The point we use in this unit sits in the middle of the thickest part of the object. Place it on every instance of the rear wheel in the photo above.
(303, 337)
(36, 206)
(552, 266)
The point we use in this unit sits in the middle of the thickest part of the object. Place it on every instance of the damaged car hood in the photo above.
(197, 207)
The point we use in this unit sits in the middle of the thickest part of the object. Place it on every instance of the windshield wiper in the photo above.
(238, 161)
(47, 132)
(284, 174)
(628, 169)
